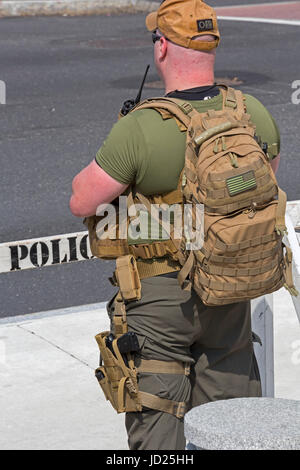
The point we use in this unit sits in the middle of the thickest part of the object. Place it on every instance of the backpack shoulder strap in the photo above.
(233, 100)
(182, 110)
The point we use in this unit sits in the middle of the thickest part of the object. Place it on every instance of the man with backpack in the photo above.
(175, 345)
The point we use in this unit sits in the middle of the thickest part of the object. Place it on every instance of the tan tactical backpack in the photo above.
(227, 171)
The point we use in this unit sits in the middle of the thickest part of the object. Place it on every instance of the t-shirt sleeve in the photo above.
(120, 153)
(266, 126)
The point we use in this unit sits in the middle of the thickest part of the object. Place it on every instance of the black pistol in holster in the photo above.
(127, 343)
(130, 104)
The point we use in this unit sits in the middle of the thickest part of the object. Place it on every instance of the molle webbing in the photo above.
(156, 267)
(222, 193)
(154, 250)
(239, 272)
(238, 286)
(247, 258)
(266, 189)
(214, 207)
(239, 296)
(218, 179)
(252, 242)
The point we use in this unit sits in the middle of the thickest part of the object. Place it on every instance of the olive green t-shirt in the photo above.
(148, 151)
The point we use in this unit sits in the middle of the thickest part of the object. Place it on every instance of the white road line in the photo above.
(253, 5)
(260, 20)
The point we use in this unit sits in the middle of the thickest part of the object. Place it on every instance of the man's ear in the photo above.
(163, 48)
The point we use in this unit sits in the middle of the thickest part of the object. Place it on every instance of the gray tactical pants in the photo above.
(173, 324)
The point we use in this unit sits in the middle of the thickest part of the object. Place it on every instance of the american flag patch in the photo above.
(240, 183)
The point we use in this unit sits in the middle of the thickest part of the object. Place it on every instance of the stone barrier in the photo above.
(244, 424)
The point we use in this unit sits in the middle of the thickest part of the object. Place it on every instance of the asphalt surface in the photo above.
(66, 80)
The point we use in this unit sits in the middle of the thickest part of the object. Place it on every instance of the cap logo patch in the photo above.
(205, 25)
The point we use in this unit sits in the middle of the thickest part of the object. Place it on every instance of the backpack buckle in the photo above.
(187, 108)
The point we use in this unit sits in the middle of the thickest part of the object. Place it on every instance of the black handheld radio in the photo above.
(130, 104)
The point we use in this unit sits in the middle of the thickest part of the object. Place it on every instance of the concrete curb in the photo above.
(14, 8)
(7, 321)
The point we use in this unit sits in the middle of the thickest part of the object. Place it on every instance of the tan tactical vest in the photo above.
(227, 171)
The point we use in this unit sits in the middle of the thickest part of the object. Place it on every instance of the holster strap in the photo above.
(280, 226)
(153, 402)
(289, 282)
(163, 367)
(121, 395)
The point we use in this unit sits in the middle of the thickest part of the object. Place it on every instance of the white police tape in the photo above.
(45, 251)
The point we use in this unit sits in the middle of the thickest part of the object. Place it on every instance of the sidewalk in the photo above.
(10, 8)
(49, 397)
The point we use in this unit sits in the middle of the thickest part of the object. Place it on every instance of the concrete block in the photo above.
(245, 424)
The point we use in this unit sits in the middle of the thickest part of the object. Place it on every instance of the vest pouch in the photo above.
(128, 278)
(117, 380)
(105, 248)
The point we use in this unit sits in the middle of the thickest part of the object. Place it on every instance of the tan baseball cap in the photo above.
(181, 21)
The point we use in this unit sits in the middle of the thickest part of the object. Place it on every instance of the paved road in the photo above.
(66, 79)
(222, 3)
(286, 11)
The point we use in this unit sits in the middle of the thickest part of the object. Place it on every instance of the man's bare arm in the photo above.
(92, 187)
(275, 163)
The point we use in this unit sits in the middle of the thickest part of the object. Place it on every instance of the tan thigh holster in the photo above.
(117, 375)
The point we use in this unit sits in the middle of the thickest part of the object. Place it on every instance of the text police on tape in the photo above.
(47, 251)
